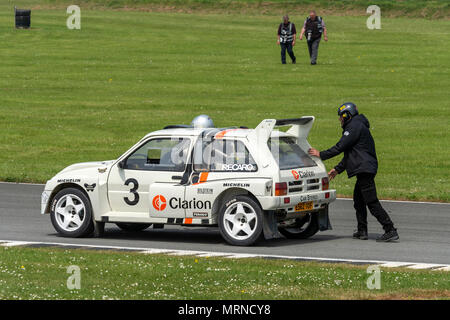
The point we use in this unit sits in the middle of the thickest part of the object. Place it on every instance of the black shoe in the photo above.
(388, 236)
(361, 235)
(313, 63)
(294, 61)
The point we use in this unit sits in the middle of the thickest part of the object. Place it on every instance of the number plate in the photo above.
(303, 206)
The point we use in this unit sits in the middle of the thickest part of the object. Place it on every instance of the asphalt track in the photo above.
(424, 230)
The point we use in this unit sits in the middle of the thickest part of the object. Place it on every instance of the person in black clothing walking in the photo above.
(286, 39)
(314, 26)
(359, 160)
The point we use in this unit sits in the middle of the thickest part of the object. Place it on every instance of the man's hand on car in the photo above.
(332, 174)
(314, 152)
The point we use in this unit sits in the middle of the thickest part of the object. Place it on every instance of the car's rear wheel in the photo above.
(240, 221)
(71, 213)
(303, 228)
(133, 227)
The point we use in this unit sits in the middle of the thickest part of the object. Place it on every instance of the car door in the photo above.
(144, 182)
(217, 162)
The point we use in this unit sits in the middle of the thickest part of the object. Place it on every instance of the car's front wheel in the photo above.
(240, 221)
(133, 227)
(303, 228)
(71, 213)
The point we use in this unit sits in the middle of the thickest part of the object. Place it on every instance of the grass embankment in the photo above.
(30, 273)
(71, 96)
(436, 9)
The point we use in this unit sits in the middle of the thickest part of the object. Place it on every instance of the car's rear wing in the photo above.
(300, 127)
(293, 121)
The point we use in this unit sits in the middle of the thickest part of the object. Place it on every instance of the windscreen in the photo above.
(288, 154)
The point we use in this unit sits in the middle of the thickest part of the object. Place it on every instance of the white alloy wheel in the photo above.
(70, 212)
(240, 221)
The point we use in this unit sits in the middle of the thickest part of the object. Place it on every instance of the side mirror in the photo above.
(121, 164)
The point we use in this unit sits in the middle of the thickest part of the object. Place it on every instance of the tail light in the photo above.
(325, 183)
(280, 188)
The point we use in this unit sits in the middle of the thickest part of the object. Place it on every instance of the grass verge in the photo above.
(32, 273)
(435, 9)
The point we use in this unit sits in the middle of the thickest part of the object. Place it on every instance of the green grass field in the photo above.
(31, 273)
(71, 96)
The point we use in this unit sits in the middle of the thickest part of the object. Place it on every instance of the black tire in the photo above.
(133, 227)
(302, 233)
(86, 227)
(257, 226)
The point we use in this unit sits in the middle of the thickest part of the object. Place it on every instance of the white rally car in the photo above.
(248, 182)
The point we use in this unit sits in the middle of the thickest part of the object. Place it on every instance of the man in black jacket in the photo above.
(286, 39)
(360, 159)
(314, 26)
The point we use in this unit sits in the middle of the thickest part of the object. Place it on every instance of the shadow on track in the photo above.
(200, 236)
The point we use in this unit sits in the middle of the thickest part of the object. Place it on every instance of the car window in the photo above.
(223, 155)
(288, 154)
(161, 154)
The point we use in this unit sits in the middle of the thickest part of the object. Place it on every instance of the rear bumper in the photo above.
(318, 198)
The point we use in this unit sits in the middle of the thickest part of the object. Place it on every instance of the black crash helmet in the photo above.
(347, 111)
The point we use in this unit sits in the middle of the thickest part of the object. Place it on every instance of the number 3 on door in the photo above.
(133, 191)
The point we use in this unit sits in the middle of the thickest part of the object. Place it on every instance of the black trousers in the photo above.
(288, 47)
(365, 195)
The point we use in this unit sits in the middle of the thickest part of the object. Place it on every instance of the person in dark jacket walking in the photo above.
(360, 160)
(314, 26)
(286, 38)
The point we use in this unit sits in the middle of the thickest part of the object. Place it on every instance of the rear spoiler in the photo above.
(292, 121)
(300, 127)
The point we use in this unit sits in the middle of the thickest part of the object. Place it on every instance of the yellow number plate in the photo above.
(303, 206)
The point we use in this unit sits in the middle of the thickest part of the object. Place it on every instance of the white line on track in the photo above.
(14, 243)
(212, 254)
(442, 269)
(396, 264)
(232, 255)
(155, 251)
(425, 266)
(23, 183)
